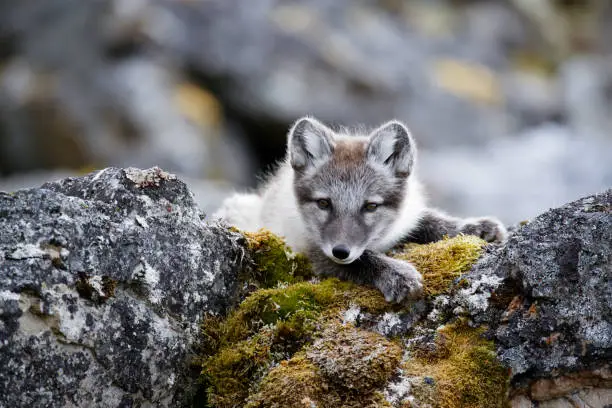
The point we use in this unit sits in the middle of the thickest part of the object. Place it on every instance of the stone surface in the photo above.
(547, 296)
(103, 282)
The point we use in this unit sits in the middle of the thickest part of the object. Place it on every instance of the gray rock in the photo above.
(84, 86)
(547, 294)
(517, 179)
(103, 282)
(349, 62)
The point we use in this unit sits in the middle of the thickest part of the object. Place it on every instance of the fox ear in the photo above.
(392, 146)
(310, 143)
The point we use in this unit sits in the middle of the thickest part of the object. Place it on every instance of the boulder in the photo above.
(547, 297)
(104, 280)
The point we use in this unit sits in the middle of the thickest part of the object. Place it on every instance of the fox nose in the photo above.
(341, 251)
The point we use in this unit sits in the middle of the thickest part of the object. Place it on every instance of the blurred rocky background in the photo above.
(511, 101)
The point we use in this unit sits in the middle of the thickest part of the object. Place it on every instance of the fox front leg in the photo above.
(434, 225)
(397, 280)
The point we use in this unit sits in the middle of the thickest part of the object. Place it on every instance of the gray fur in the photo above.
(435, 225)
(397, 280)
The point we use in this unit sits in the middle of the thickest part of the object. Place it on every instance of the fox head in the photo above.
(349, 189)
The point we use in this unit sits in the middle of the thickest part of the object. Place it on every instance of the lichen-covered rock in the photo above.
(547, 296)
(104, 281)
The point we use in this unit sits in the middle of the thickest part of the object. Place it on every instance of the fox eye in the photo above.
(370, 207)
(323, 203)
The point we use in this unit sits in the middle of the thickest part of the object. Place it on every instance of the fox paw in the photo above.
(399, 282)
(487, 228)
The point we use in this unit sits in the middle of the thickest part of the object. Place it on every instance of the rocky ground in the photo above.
(116, 292)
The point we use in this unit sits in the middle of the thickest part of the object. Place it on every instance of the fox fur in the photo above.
(345, 198)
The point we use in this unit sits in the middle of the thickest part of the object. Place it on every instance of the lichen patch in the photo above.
(147, 178)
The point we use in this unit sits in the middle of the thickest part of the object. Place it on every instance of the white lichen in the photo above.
(397, 391)
(8, 295)
(388, 323)
(26, 251)
(95, 282)
(351, 315)
(475, 298)
(149, 277)
(149, 177)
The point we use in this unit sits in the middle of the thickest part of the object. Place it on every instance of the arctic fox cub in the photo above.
(344, 199)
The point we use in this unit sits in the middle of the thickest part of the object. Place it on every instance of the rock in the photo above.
(547, 297)
(517, 179)
(346, 62)
(104, 281)
(105, 97)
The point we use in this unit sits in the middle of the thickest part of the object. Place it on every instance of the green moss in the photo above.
(274, 260)
(292, 308)
(294, 323)
(463, 369)
(229, 372)
(291, 314)
(442, 262)
(299, 383)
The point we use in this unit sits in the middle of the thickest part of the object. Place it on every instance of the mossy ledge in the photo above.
(287, 345)
(460, 370)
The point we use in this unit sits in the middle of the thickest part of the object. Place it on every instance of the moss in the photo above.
(274, 260)
(442, 262)
(290, 314)
(292, 324)
(299, 383)
(108, 286)
(229, 372)
(353, 358)
(461, 370)
(292, 308)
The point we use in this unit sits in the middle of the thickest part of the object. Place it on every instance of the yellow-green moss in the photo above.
(297, 383)
(288, 313)
(294, 304)
(353, 358)
(274, 260)
(292, 315)
(229, 372)
(462, 369)
(442, 262)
